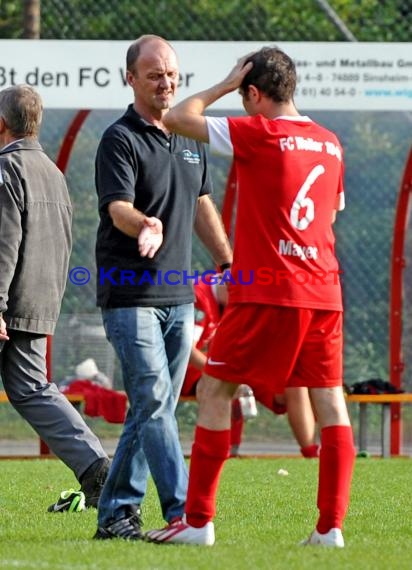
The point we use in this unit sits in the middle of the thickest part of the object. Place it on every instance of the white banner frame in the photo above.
(332, 75)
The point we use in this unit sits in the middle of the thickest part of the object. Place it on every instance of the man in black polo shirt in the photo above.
(152, 187)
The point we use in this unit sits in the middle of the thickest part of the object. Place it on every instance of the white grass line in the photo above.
(45, 565)
(53, 565)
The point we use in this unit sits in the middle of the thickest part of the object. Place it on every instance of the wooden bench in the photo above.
(79, 398)
(364, 400)
(385, 400)
(73, 398)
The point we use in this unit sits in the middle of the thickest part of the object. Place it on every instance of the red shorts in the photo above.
(272, 347)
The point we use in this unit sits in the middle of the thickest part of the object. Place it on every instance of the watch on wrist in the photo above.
(225, 266)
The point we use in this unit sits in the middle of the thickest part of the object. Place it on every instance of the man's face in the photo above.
(155, 77)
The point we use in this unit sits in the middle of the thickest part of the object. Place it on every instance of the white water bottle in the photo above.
(247, 402)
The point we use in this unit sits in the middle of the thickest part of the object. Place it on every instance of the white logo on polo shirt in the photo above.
(190, 157)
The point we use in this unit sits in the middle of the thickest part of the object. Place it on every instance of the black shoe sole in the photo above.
(102, 534)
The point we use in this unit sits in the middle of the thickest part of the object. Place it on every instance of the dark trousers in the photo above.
(60, 426)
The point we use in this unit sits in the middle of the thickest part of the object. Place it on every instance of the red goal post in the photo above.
(401, 279)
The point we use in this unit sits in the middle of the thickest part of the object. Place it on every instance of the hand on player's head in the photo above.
(235, 77)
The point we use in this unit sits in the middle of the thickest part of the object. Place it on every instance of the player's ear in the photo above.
(254, 93)
(130, 77)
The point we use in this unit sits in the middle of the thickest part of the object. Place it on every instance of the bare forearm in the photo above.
(126, 218)
(209, 228)
(182, 114)
(216, 242)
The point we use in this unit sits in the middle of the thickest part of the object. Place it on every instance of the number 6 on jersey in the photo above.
(303, 201)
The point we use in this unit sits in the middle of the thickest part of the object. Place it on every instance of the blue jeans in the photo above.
(153, 345)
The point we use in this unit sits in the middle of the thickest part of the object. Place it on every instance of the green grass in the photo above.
(261, 517)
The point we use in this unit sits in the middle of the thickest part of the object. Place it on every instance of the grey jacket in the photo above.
(35, 237)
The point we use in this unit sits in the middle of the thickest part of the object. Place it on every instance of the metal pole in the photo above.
(334, 18)
(31, 19)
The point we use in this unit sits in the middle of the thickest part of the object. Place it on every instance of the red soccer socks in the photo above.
(209, 452)
(310, 451)
(336, 460)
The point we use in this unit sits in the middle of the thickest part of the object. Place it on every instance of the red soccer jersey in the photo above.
(290, 180)
(207, 317)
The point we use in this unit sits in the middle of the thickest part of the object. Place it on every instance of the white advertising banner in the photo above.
(332, 76)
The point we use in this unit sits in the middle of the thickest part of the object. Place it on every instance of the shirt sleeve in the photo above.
(116, 169)
(206, 185)
(219, 136)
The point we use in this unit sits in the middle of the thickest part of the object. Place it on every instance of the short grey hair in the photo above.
(21, 108)
(133, 52)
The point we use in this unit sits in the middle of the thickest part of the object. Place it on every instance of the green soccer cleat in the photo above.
(70, 501)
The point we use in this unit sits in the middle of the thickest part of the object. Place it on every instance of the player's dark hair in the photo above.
(273, 73)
